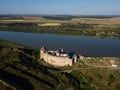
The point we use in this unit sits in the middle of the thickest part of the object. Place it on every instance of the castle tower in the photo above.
(43, 48)
(74, 59)
(62, 50)
(42, 51)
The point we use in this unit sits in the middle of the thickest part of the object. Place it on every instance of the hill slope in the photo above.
(20, 69)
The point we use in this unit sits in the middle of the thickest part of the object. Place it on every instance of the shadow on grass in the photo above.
(45, 70)
(31, 75)
(16, 81)
(75, 82)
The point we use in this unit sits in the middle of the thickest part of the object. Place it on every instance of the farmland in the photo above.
(85, 26)
(49, 24)
(114, 20)
(60, 19)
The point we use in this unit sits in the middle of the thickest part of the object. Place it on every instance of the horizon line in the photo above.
(62, 14)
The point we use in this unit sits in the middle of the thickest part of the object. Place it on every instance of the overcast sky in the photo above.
(61, 7)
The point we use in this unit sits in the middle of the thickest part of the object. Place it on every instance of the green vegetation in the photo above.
(112, 31)
(5, 86)
(53, 17)
(6, 17)
(21, 68)
(58, 17)
(96, 26)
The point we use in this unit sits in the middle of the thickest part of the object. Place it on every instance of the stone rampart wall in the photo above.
(54, 60)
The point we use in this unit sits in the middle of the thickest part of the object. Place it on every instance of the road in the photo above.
(89, 67)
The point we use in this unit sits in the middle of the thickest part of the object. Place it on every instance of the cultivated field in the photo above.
(114, 20)
(23, 19)
(32, 17)
(20, 20)
(39, 19)
(49, 24)
(107, 23)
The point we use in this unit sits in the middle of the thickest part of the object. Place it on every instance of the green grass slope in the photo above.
(21, 69)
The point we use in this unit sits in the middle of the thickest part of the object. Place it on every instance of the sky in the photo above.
(60, 7)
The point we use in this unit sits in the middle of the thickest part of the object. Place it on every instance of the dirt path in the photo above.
(89, 67)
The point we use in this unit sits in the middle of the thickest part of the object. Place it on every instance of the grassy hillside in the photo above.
(20, 68)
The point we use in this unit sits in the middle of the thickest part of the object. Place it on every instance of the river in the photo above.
(87, 46)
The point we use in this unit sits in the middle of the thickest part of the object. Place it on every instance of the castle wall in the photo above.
(54, 60)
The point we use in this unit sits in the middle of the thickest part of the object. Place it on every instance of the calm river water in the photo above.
(81, 45)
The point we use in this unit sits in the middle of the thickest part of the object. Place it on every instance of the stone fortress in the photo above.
(59, 57)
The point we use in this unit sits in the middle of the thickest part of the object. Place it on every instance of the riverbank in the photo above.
(101, 31)
(102, 27)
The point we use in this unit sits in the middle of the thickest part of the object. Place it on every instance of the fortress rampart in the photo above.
(57, 58)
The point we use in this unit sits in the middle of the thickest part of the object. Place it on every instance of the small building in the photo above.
(113, 63)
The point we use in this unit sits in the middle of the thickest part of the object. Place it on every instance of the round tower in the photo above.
(42, 52)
